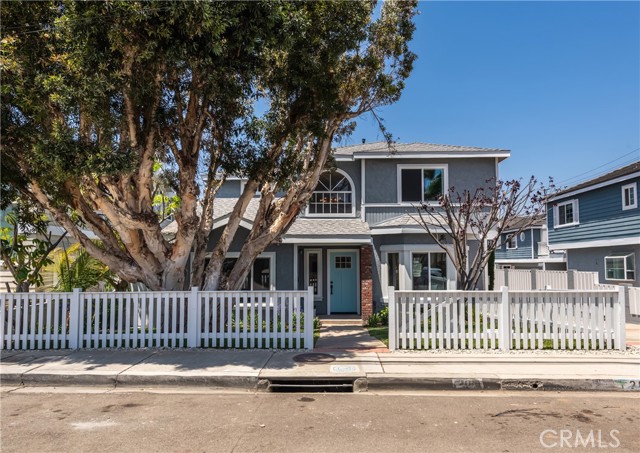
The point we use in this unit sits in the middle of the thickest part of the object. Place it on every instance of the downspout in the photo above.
(362, 184)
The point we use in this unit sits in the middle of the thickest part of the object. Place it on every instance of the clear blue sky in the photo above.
(557, 83)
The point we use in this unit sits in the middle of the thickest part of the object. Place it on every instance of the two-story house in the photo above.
(598, 223)
(528, 248)
(357, 236)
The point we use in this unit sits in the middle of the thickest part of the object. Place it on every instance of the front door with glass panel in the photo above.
(343, 282)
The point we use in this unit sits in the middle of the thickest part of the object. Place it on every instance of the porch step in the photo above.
(341, 320)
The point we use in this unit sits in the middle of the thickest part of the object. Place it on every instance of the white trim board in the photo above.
(328, 241)
(422, 155)
(600, 243)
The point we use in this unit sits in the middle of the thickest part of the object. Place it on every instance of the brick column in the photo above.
(366, 281)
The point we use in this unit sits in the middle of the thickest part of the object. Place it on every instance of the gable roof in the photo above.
(381, 150)
(603, 179)
(518, 222)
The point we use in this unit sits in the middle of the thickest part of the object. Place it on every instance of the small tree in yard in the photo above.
(480, 216)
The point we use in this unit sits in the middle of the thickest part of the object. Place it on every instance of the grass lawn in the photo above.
(381, 333)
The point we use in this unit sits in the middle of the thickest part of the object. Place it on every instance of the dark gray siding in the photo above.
(592, 260)
(600, 217)
(230, 189)
(284, 256)
(381, 175)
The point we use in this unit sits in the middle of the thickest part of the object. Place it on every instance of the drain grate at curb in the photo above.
(348, 385)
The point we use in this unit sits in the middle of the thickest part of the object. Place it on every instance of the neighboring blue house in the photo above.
(598, 224)
(356, 236)
(529, 248)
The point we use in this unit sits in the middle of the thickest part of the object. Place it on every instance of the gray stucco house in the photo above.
(597, 222)
(356, 236)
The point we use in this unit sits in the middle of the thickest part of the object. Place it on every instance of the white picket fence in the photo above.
(634, 301)
(532, 279)
(506, 319)
(98, 320)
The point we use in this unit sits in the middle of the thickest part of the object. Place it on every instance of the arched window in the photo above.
(333, 195)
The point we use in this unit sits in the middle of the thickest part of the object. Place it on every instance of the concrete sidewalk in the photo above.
(251, 370)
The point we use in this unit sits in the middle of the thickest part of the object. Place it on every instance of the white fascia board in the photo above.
(439, 155)
(326, 241)
(590, 244)
(222, 221)
(534, 260)
(404, 230)
(596, 186)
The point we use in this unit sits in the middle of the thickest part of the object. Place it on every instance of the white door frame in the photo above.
(308, 252)
(358, 282)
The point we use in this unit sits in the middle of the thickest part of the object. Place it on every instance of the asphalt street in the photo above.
(181, 420)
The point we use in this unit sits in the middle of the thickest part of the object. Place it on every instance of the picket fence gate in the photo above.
(506, 319)
(152, 319)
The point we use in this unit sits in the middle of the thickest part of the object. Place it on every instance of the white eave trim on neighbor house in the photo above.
(596, 186)
(405, 155)
(601, 243)
(326, 240)
(531, 260)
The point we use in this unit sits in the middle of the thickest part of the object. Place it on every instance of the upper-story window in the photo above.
(566, 213)
(421, 183)
(630, 196)
(512, 242)
(333, 195)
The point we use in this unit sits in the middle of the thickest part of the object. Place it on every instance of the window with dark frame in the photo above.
(421, 184)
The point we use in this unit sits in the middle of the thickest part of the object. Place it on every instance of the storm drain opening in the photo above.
(311, 385)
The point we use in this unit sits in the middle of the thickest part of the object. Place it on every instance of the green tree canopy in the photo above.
(96, 94)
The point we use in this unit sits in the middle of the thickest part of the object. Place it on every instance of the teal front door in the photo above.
(343, 282)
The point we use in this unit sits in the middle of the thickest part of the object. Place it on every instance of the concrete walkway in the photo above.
(251, 370)
(348, 337)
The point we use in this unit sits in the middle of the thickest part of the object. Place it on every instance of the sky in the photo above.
(557, 83)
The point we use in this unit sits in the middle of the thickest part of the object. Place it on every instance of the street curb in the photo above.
(227, 382)
(430, 383)
(115, 380)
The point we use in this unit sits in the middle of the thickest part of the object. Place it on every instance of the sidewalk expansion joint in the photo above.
(115, 382)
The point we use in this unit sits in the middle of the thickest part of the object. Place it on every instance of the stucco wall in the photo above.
(592, 260)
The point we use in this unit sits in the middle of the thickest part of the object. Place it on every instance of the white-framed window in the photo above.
(333, 195)
(512, 242)
(422, 183)
(243, 182)
(313, 271)
(262, 276)
(523, 237)
(629, 196)
(620, 267)
(566, 214)
(429, 271)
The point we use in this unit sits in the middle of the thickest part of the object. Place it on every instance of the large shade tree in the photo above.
(99, 98)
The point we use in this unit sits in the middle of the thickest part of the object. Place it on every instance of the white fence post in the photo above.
(621, 312)
(74, 319)
(393, 319)
(193, 315)
(308, 319)
(504, 320)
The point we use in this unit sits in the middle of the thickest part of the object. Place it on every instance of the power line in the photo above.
(601, 166)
